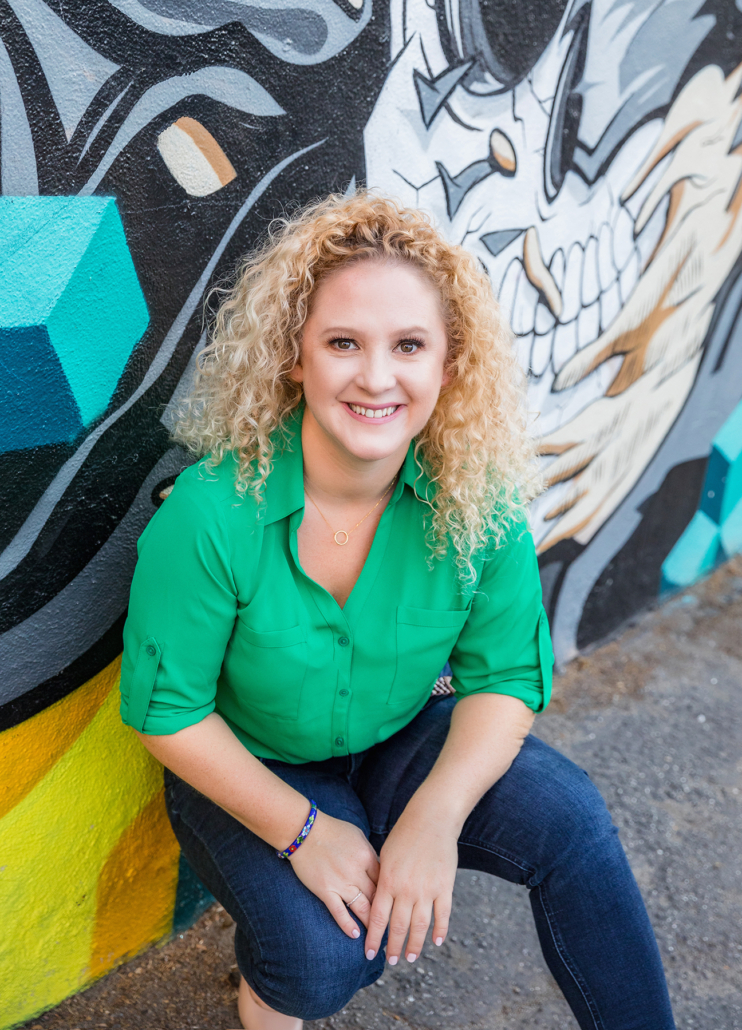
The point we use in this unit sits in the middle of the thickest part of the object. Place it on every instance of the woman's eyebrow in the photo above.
(345, 331)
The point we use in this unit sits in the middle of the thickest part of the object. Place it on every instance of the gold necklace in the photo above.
(346, 532)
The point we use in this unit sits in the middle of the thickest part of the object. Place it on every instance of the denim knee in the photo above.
(309, 982)
(575, 821)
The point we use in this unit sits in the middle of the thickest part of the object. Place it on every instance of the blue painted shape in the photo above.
(727, 450)
(696, 553)
(66, 267)
(36, 402)
(433, 93)
(191, 898)
(496, 242)
(723, 486)
(731, 531)
(715, 531)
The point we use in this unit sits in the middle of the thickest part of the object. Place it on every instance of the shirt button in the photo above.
(151, 651)
(344, 692)
(339, 741)
(343, 641)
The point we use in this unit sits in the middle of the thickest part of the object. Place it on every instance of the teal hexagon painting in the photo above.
(71, 313)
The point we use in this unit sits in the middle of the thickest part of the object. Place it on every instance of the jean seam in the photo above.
(556, 938)
(563, 955)
(493, 850)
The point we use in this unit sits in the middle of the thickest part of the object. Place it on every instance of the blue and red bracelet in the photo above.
(304, 832)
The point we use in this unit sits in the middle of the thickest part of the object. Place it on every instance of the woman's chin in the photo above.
(376, 452)
(373, 443)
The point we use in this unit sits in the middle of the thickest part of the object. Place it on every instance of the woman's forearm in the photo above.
(486, 733)
(211, 758)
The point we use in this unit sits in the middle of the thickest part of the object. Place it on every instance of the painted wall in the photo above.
(590, 154)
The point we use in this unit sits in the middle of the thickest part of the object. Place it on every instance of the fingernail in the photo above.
(411, 957)
(439, 941)
(370, 954)
(356, 932)
(393, 960)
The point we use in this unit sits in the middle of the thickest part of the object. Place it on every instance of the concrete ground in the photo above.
(654, 716)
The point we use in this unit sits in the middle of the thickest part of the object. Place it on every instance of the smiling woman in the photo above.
(245, 388)
(357, 522)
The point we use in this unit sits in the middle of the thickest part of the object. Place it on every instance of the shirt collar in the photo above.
(284, 487)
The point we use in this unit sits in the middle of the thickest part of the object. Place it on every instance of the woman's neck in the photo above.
(334, 475)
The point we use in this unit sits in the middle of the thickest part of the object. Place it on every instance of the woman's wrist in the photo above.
(433, 808)
(303, 833)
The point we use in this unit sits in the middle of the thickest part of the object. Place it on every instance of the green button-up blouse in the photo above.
(223, 618)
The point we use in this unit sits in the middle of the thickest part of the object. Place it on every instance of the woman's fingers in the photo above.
(399, 924)
(442, 915)
(361, 906)
(377, 922)
(368, 886)
(373, 867)
(419, 923)
(341, 914)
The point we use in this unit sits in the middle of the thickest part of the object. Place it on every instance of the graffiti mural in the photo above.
(588, 153)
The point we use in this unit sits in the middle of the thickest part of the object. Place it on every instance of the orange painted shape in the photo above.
(136, 889)
(28, 751)
(209, 147)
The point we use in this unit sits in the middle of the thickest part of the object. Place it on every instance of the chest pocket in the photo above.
(276, 666)
(425, 639)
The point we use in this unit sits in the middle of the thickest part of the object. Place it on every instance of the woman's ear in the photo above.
(297, 373)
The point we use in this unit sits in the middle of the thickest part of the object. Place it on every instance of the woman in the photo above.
(359, 519)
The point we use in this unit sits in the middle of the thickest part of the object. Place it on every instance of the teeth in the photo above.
(623, 239)
(524, 309)
(590, 284)
(507, 289)
(523, 350)
(606, 270)
(588, 324)
(610, 304)
(565, 344)
(594, 282)
(630, 275)
(557, 268)
(373, 412)
(571, 291)
(540, 354)
(648, 238)
(544, 320)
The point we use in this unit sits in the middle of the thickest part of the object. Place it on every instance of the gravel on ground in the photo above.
(654, 717)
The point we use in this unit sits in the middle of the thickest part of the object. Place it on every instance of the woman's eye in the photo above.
(343, 344)
(410, 346)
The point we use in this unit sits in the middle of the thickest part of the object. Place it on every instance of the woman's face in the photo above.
(372, 357)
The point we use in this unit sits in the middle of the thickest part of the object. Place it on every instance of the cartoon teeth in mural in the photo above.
(590, 155)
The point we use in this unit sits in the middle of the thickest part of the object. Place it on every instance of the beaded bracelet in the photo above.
(304, 832)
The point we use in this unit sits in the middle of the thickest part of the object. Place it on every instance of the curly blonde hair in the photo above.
(475, 448)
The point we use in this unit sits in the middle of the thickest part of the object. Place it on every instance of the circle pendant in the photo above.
(341, 532)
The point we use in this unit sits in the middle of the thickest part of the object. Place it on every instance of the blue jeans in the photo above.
(543, 825)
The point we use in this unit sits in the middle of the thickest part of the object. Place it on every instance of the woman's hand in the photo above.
(420, 856)
(418, 869)
(335, 862)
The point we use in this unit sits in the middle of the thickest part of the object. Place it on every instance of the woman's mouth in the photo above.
(367, 414)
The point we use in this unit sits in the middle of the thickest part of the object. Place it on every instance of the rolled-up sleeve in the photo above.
(505, 645)
(182, 610)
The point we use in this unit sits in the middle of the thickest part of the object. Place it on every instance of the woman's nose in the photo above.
(376, 375)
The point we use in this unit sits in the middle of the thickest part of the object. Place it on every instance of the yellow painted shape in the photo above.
(54, 845)
(28, 751)
(136, 888)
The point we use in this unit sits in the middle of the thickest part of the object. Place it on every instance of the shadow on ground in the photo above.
(654, 717)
